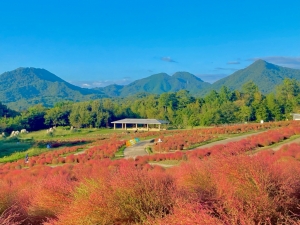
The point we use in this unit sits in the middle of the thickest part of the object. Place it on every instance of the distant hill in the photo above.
(112, 90)
(265, 75)
(157, 84)
(23, 87)
(27, 86)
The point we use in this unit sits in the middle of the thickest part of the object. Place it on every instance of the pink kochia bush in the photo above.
(187, 139)
(242, 189)
(225, 186)
(220, 189)
(232, 148)
(104, 149)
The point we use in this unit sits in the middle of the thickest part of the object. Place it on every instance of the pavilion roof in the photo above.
(141, 121)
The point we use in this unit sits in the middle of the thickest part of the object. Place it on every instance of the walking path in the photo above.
(138, 149)
(227, 140)
(297, 141)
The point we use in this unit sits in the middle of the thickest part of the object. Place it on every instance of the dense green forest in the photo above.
(180, 108)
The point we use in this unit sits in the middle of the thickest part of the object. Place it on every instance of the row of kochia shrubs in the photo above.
(184, 140)
(222, 129)
(220, 189)
(106, 148)
(245, 145)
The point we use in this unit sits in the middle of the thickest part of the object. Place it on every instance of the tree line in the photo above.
(180, 108)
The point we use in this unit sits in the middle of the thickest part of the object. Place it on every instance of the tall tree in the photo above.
(288, 96)
(274, 108)
(33, 119)
(249, 89)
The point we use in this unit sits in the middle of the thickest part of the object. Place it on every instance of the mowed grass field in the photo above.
(7, 147)
(35, 143)
(62, 133)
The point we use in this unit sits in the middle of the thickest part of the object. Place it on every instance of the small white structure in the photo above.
(50, 130)
(14, 133)
(73, 128)
(23, 131)
(296, 116)
(159, 141)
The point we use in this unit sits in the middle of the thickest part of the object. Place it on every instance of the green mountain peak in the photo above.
(27, 85)
(264, 74)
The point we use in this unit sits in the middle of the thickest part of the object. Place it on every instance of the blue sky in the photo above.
(96, 43)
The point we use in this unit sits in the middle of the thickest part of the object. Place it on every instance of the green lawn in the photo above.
(34, 143)
(120, 153)
(16, 155)
(62, 133)
(7, 147)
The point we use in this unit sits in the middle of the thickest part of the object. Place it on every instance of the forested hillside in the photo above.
(23, 87)
(265, 75)
(180, 108)
(162, 82)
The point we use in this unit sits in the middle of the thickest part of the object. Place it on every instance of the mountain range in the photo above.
(23, 87)
(265, 75)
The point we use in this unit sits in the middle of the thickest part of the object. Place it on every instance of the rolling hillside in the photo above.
(265, 75)
(27, 86)
(157, 84)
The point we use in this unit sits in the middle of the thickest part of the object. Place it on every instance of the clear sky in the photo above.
(101, 42)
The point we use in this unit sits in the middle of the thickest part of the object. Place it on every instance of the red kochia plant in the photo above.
(51, 196)
(224, 188)
(70, 159)
(292, 150)
(242, 189)
(187, 213)
(123, 194)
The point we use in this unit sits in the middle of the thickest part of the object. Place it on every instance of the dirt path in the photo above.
(227, 140)
(161, 164)
(138, 149)
(297, 141)
(81, 152)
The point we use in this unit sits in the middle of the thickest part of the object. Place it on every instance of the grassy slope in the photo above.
(33, 143)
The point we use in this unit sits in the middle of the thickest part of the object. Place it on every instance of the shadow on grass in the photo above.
(11, 145)
(56, 144)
